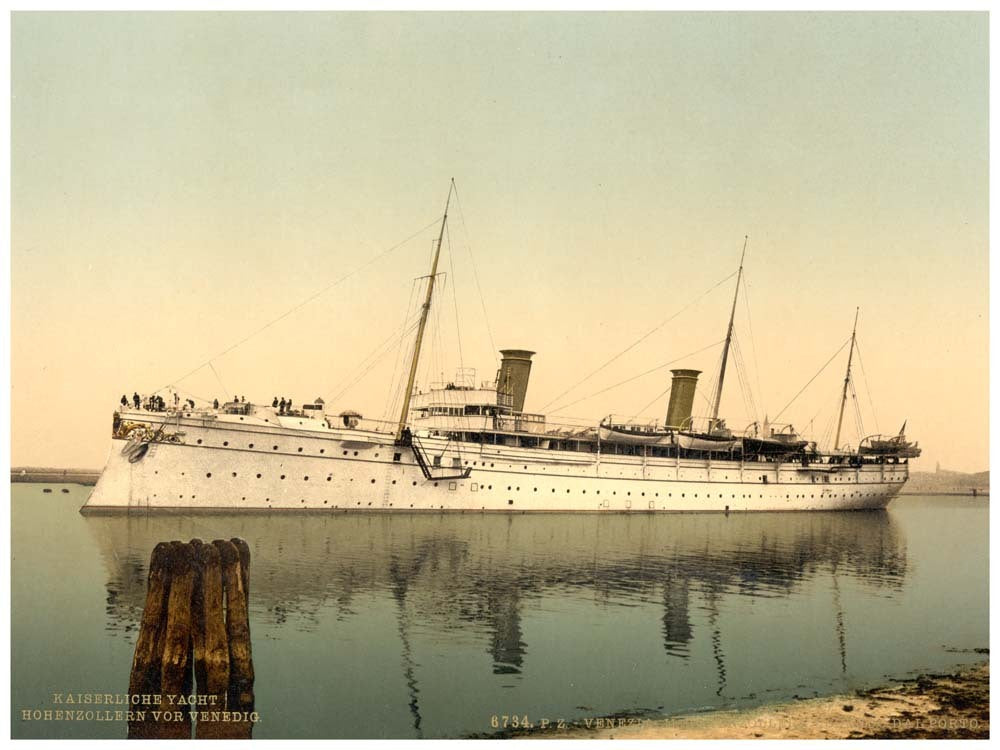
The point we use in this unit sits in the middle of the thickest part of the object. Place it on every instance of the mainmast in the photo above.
(423, 321)
(847, 379)
(729, 338)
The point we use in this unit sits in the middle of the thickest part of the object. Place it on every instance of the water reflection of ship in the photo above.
(476, 573)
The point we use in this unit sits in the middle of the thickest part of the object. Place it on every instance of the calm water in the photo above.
(429, 625)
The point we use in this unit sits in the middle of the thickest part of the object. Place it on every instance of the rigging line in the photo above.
(475, 274)
(871, 402)
(859, 422)
(224, 389)
(638, 341)
(390, 398)
(653, 401)
(744, 378)
(811, 379)
(375, 352)
(636, 377)
(366, 370)
(302, 304)
(365, 366)
(454, 296)
(754, 411)
(753, 342)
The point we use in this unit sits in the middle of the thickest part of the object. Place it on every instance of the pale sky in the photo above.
(180, 180)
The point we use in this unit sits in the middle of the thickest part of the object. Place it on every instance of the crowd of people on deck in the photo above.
(156, 402)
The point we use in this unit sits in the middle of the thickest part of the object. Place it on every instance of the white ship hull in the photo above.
(223, 466)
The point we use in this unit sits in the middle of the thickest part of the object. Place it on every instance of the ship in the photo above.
(465, 446)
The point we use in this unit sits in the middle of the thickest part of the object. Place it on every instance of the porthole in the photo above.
(209, 475)
(234, 473)
(435, 484)
(274, 448)
(305, 479)
(199, 441)
(355, 453)
(225, 442)
(300, 450)
(258, 476)
(282, 476)
(329, 479)
(345, 453)
(414, 484)
(251, 445)
(322, 450)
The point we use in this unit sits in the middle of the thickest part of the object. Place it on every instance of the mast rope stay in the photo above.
(753, 343)
(634, 344)
(393, 395)
(385, 350)
(825, 365)
(454, 296)
(871, 402)
(636, 377)
(475, 275)
(302, 304)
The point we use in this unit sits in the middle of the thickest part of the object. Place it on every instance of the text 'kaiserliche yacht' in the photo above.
(468, 446)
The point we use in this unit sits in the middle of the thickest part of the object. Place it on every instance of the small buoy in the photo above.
(47, 489)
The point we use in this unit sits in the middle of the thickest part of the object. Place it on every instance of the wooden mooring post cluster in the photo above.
(193, 668)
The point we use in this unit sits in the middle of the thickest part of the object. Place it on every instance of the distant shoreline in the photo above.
(48, 474)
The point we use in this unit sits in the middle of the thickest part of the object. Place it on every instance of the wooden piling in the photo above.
(241, 696)
(146, 664)
(177, 643)
(194, 639)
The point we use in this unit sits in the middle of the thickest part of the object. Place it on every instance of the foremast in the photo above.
(847, 380)
(729, 338)
(423, 322)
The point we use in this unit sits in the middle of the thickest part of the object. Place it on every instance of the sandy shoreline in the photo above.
(954, 705)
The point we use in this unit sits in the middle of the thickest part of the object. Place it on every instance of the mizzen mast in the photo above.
(847, 380)
(729, 338)
(423, 321)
